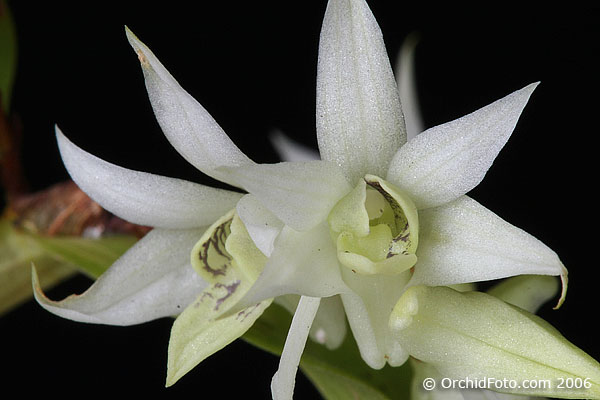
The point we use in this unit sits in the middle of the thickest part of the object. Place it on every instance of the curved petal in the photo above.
(153, 279)
(359, 120)
(282, 384)
(300, 194)
(298, 258)
(465, 242)
(405, 77)
(185, 123)
(143, 198)
(290, 150)
(448, 160)
(262, 226)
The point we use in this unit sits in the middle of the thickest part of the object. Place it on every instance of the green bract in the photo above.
(374, 233)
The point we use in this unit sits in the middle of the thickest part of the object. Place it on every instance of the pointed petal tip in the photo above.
(171, 379)
(35, 281)
(564, 280)
(38, 293)
(532, 86)
(60, 136)
(133, 40)
(529, 89)
(61, 139)
(139, 47)
(410, 42)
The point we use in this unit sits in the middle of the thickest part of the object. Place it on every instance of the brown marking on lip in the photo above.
(217, 243)
(231, 288)
(246, 312)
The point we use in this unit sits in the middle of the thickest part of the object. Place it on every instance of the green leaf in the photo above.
(56, 259)
(338, 374)
(8, 55)
(17, 252)
(90, 256)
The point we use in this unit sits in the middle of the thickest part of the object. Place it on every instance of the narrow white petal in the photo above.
(448, 160)
(290, 150)
(300, 194)
(407, 86)
(185, 123)
(153, 279)
(465, 242)
(143, 198)
(262, 226)
(329, 327)
(359, 120)
(302, 263)
(284, 380)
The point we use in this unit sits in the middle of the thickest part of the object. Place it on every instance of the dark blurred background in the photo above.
(253, 66)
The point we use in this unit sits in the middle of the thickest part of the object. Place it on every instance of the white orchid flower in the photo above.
(380, 221)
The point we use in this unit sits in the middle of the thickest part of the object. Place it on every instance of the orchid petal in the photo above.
(290, 150)
(282, 385)
(459, 333)
(526, 291)
(368, 310)
(359, 120)
(405, 77)
(153, 279)
(446, 161)
(465, 242)
(300, 194)
(298, 258)
(143, 198)
(186, 124)
(263, 227)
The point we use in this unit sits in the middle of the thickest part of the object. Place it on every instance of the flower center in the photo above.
(375, 228)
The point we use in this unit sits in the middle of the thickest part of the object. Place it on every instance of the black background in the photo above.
(252, 65)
